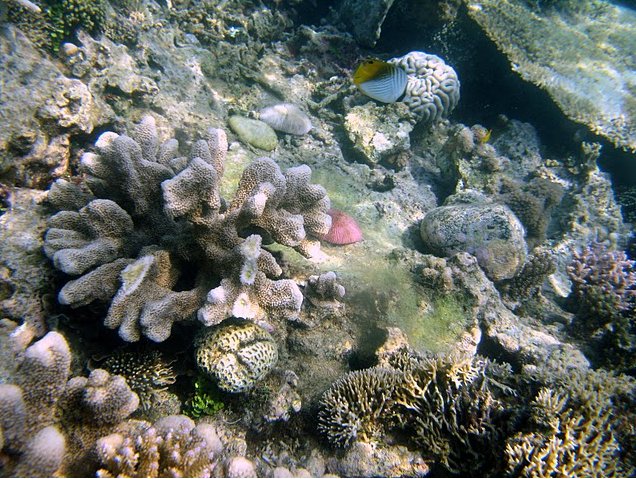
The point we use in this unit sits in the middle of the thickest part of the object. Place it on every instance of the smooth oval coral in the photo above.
(287, 118)
(344, 229)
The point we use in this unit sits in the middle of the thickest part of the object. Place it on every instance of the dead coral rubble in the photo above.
(147, 215)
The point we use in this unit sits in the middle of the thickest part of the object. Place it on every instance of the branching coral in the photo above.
(604, 298)
(568, 442)
(158, 215)
(171, 447)
(355, 407)
(448, 407)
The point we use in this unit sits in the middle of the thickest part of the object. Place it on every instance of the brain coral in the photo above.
(432, 89)
(236, 355)
(145, 215)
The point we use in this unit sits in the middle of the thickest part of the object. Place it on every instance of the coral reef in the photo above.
(432, 90)
(378, 133)
(156, 214)
(236, 356)
(171, 447)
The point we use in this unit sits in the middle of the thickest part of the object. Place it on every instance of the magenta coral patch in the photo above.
(344, 229)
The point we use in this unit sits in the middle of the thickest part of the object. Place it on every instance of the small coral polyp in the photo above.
(145, 214)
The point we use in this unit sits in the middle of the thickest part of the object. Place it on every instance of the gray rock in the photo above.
(490, 232)
(377, 132)
(254, 132)
(365, 18)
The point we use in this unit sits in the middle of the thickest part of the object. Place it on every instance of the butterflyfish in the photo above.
(380, 80)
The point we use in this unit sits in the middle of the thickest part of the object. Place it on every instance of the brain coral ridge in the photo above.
(432, 88)
(144, 215)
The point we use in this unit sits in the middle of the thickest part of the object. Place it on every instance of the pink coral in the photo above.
(344, 229)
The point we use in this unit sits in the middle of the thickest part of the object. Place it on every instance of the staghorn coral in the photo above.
(432, 89)
(447, 406)
(236, 355)
(145, 372)
(171, 447)
(568, 441)
(152, 215)
(355, 406)
(450, 407)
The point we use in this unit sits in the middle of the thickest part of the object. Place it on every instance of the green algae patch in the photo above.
(442, 322)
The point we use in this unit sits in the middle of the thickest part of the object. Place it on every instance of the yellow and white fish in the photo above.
(380, 80)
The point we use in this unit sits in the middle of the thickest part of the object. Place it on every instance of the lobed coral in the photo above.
(432, 89)
(43, 417)
(236, 355)
(151, 216)
(171, 447)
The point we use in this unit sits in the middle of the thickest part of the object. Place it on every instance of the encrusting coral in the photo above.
(146, 215)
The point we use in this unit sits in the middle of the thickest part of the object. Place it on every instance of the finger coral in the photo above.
(171, 447)
(152, 215)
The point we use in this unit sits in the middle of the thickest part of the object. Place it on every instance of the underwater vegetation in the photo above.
(58, 20)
